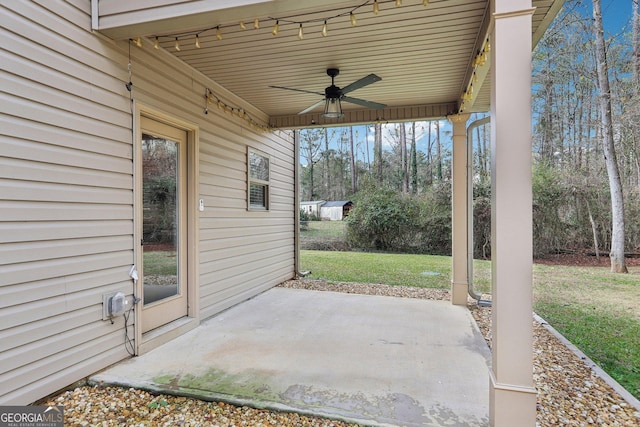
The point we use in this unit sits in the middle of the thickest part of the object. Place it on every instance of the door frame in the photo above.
(169, 331)
(167, 308)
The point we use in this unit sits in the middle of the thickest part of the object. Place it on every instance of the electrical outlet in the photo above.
(113, 304)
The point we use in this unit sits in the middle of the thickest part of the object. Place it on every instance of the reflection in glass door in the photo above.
(163, 152)
(160, 231)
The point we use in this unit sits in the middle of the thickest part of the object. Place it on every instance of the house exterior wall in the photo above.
(67, 193)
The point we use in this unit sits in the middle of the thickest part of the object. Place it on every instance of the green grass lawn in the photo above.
(390, 269)
(323, 235)
(325, 229)
(161, 263)
(596, 310)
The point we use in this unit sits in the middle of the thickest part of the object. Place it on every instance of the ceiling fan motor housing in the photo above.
(333, 91)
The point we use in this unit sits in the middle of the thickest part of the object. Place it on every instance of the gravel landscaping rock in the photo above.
(368, 289)
(569, 392)
(113, 406)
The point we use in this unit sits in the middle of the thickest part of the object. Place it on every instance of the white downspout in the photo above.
(472, 293)
(296, 201)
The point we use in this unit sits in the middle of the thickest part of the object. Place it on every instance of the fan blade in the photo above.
(367, 80)
(368, 104)
(298, 90)
(317, 104)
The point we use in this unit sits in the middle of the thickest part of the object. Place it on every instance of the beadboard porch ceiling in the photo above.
(425, 55)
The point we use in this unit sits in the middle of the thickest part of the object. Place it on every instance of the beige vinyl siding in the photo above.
(67, 193)
(242, 249)
(65, 201)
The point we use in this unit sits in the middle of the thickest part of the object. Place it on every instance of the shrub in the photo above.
(482, 228)
(383, 220)
(433, 221)
(379, 220)
(549, 231)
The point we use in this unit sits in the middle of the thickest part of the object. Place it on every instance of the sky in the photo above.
(364, 137)
(616, 15)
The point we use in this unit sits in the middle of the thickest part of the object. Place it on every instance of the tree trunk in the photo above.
(635, 36)
(478, 151)
(636, 46)
(485, 152)
(311, 184)
(403, 158)
(589, 133)
(352, 161)
(594, 230)
(429, 156)
(438, 152)
(547, 135)
(377, 151)
(579, 128)
(366, 144)
(414, 160)
(309, 147)
(618, 264)
(326, 168)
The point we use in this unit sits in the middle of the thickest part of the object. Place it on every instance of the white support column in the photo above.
(459, 271)
(512, 391)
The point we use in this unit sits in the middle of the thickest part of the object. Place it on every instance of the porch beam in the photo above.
(459, 197)
(351, 117)
(477, 73)
(512, 391)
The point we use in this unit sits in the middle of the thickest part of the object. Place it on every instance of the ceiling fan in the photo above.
(333, 95)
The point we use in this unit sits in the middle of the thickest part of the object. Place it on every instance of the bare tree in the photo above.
(438, 151)
(618, 263)
(310, 150)
(404, 165)
(326, 175)
(414, 160)
(635, 41)
(352, 161)
(366, 142)
(377, 151)
(482, 155)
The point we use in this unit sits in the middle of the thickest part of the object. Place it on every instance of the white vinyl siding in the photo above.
(66, 193)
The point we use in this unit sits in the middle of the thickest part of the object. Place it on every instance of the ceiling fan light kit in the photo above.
(332, 106)
(332, 109)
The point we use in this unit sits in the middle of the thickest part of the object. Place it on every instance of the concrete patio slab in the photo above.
(368, 359)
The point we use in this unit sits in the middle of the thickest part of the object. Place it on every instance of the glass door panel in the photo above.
(160, 233)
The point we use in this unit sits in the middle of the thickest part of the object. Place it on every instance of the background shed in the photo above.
(312, 207)
(335, 211)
